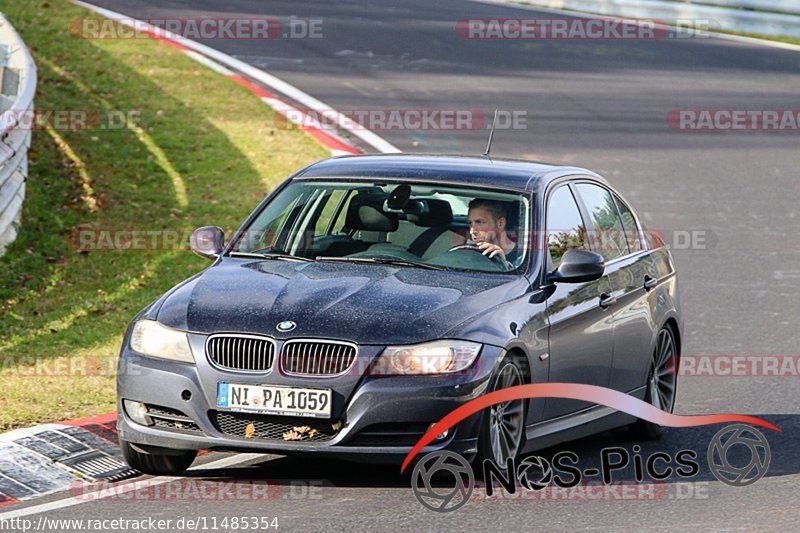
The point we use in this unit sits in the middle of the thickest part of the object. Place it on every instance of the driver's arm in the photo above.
(493, 250)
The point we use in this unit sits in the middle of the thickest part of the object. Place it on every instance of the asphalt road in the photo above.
(598, 104)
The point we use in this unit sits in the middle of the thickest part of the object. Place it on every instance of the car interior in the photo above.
(423, 228)
(376, 221)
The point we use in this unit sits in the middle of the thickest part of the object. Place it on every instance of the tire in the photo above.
(502, 428)
(156, 464)
(662, 380)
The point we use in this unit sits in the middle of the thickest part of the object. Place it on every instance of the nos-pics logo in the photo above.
(444, 481)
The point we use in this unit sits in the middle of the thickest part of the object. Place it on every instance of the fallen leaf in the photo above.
(336, 426)
(301, 429)
(292, 435)
(249, 431)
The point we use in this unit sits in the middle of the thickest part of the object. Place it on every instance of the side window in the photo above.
(607, 238)
(332, 202)
(286, 208)
(565, 227)
(338, 225)
(629, 225)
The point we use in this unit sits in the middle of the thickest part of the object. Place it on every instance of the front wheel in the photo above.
(502, 432)
(661, 382)
(157, 464)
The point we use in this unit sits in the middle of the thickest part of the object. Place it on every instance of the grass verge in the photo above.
(194, 149)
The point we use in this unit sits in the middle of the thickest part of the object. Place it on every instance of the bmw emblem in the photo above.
(286, 325)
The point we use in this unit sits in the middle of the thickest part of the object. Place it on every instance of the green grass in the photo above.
(202, 150)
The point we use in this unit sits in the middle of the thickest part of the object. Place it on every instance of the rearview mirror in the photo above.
(208, 241)
(579, 266)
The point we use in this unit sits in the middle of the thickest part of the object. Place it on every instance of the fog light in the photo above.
(442, 436)
(138, 412)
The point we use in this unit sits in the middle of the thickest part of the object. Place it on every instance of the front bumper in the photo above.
(360, 404)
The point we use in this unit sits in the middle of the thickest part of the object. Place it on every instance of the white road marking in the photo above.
(213, 65)
(378, 143)
(123, 488)
(293, 114)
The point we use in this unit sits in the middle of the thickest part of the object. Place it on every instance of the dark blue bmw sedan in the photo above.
(369, 296)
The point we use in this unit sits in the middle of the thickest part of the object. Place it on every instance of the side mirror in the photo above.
(579, 266)
(208, 241)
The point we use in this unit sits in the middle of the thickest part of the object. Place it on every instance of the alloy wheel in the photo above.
(506, 420)
(663, 374)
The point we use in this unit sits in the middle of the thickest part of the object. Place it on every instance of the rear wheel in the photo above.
(149, 461)
(661, 382)
(502, 433)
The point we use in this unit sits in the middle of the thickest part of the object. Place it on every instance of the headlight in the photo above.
(437, 357)
(154, 340)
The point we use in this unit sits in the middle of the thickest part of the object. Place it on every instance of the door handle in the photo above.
(649, 282)
(606, 300)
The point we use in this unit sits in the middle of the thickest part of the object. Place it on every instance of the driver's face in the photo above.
(483, 227)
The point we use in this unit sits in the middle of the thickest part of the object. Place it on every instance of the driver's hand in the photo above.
(491, 250)
(494, 250)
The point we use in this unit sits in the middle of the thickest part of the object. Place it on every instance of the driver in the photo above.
(487, 228)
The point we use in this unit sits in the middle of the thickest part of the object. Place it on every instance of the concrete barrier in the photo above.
(17, 88)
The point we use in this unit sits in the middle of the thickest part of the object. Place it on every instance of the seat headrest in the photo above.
(430, 213)
(365, 213)
(512, 216)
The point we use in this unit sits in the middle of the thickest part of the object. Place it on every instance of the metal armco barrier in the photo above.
(773, 18)
(17, 88)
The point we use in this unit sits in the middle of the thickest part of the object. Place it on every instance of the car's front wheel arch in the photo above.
(523, 360)
(672, 323)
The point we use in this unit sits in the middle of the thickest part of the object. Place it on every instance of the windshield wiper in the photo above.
(271, 255)
(381, 260)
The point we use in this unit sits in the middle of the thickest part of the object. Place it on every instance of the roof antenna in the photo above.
(491, 136)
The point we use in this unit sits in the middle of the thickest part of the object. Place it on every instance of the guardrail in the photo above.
(17, 88)
(777, 6)
(773, 18)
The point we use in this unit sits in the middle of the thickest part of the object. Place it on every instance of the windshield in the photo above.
(408, 224)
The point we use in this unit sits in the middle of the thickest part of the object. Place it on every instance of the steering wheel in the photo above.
(497, 259)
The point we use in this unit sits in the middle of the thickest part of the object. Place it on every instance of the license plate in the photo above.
(274, 400)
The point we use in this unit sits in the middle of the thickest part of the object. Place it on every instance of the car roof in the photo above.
(469, 170)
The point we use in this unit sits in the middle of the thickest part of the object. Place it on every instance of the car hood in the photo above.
(367, 304)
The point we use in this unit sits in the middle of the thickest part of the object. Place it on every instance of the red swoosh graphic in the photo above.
(573, 391)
